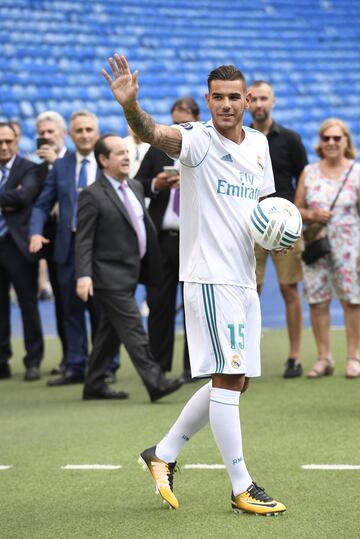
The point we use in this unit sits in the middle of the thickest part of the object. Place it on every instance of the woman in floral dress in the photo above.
(338, 273)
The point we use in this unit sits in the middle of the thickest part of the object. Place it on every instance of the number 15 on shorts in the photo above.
(237, 336)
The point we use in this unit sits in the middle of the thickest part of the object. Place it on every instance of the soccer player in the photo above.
(225, 168)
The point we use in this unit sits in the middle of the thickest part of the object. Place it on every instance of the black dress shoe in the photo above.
(5, 371)
(31, 374)
(292, 369)
(110, 377)
(165, 387)
(104, 393)
(186, 378)
(58, 370)
(65, 380)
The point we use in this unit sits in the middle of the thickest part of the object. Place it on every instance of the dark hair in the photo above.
(8, 124)
(101, 147)
(187, 103)
(226, 72)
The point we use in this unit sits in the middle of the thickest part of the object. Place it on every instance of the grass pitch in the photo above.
(286, 423)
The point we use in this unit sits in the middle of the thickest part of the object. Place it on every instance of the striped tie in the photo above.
(4, 174)
(3, 178)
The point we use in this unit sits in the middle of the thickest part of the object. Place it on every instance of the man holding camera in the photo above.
(50, 143)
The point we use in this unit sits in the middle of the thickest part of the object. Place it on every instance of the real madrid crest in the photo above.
(236, 361)
(260, 162)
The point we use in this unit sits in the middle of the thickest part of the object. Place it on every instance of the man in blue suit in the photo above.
(66, 179)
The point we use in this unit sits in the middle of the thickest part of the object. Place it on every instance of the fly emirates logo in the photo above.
(244, 189)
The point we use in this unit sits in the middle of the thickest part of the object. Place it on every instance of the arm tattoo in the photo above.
(163, 137)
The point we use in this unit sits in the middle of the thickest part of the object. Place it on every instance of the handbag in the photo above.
(317, 244)
(316, 249)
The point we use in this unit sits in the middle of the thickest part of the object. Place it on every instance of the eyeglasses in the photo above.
(327, 138)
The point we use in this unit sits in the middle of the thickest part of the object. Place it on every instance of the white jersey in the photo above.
(221, 182)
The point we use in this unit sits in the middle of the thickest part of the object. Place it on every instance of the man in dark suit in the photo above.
(18, 188)
(163, 209)
(66, 179)
(116, 247)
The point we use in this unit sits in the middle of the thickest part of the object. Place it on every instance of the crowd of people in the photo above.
(39, 197)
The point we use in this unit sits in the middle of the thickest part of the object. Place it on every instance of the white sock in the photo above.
(194, 416)
(225, 425)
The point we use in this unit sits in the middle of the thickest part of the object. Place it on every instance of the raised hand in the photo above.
(124, 85)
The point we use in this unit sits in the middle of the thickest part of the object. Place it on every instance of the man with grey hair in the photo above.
(66, 179)
(51, 132)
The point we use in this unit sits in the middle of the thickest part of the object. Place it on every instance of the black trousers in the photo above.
(75, 320)
(50, 233)
(162, 305)
(16, 269)
(120, 320)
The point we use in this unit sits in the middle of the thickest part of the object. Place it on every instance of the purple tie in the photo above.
(176, 201)
(134, 220)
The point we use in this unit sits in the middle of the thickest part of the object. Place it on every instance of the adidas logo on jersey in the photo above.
(227, 158)
(274, 210)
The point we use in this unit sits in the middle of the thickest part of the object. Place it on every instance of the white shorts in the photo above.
(223, 328)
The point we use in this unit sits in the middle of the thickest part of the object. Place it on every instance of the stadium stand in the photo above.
(52, 54)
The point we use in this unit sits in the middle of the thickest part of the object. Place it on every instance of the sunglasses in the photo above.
(327, 138)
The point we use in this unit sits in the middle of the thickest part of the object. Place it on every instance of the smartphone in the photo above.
(40, 141)
(171, 171)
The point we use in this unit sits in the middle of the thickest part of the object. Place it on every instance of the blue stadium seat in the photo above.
(53, 52)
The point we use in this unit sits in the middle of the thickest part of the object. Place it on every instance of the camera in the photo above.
(40, 141)
(171, 171)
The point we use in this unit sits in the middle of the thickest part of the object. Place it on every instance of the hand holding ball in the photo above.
(275, 223)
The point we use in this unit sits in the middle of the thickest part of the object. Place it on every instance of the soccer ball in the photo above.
(275, 223)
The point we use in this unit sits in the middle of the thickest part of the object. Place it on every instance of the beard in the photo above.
(261, 116)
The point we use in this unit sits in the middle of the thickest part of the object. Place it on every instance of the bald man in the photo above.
(288, 157)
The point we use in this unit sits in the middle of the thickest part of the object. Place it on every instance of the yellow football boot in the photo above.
(162, 473)
(255, 500)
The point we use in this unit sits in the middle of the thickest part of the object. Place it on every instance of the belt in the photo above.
(173, 232)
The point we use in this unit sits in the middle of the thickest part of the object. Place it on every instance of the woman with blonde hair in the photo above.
(336, 274)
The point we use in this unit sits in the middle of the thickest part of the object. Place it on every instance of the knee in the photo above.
(320, 308)
(290, 293)
(229, 381)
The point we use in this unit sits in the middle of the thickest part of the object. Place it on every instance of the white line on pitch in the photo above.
(91, 467)
(330, 467)
(204, 466)
(4, 467)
